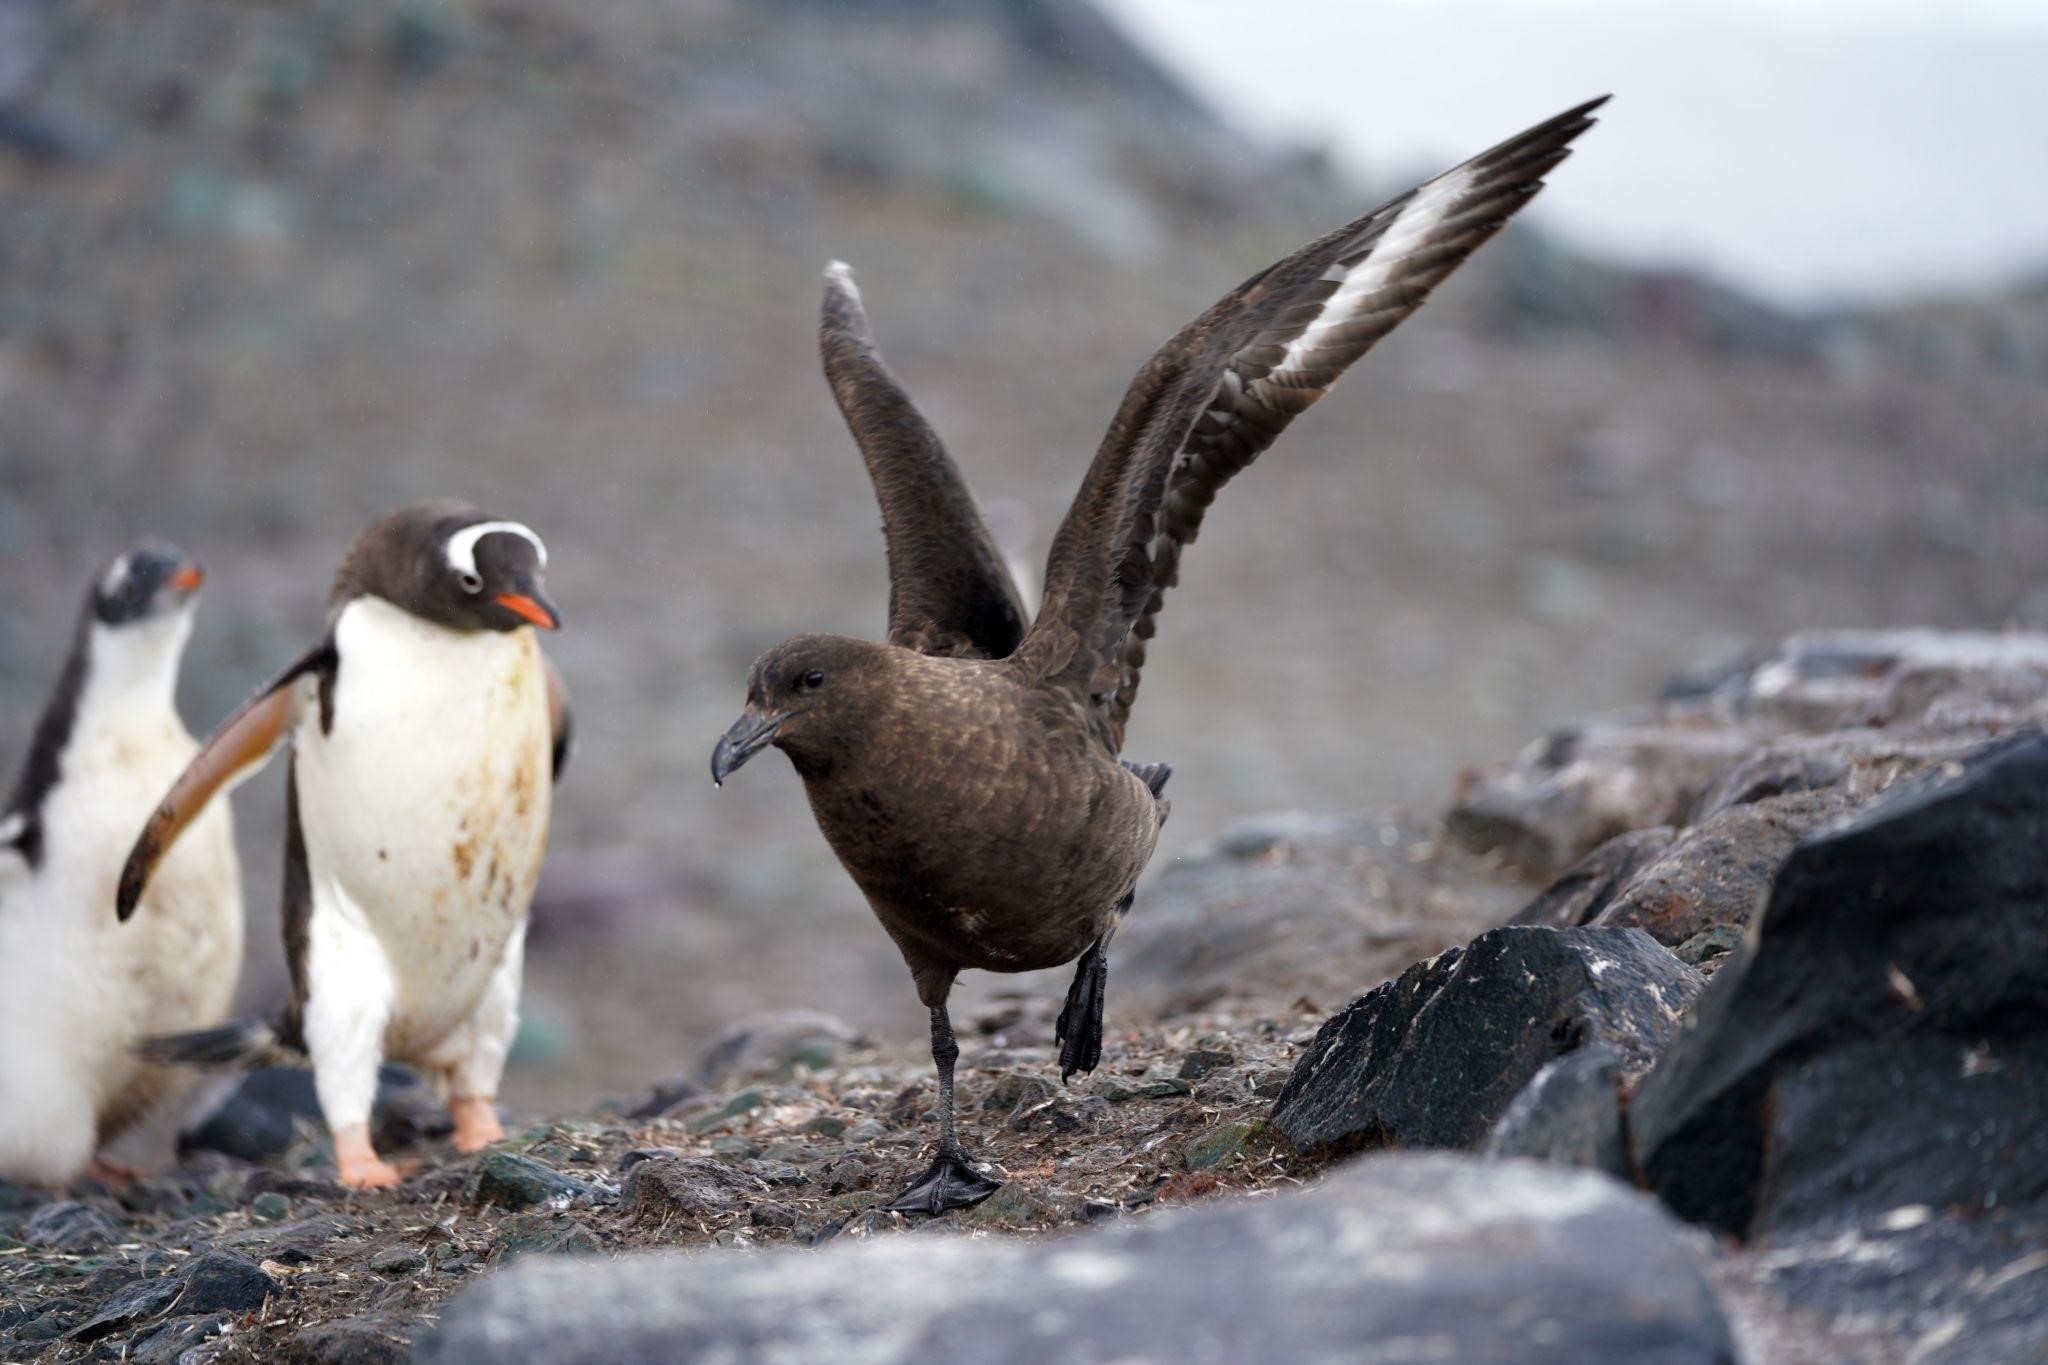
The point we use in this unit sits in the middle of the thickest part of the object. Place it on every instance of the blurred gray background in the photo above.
(1772, 352)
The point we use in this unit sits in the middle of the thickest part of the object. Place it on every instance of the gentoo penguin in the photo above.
(426, 730)
(968, 772)
(79, 987)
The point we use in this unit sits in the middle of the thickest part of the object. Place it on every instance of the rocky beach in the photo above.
(1699, 1099)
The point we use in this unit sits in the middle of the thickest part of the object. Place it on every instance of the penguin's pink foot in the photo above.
(108, 1171)
(476, 1123)
(361, 1167)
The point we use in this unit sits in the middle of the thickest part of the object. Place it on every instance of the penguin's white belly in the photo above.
(425, 810)
(81, 986)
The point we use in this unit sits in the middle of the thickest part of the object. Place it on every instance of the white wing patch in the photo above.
(1412, 227)
(841, 276)
(12, 826)
(462, 544)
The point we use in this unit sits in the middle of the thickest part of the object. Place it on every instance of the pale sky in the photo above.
(1810, 149)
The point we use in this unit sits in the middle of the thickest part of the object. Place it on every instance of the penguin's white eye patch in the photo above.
(461, 548)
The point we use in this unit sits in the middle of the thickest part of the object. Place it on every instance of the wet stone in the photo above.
(1203, 1061)
(68, 1225)
(397, 1261)
(846, 1173)
(509, 1181)
(1223, 1145)
(1118, 1090)
(772, 1215)
(270, 1207)
(224, 1281)
(165, 1342)
(136, 1304)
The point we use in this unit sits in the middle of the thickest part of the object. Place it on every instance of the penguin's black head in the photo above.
(491, 578)
(152, 578)
(446, 562)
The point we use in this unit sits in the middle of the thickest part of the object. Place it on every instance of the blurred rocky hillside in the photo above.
(267, 271)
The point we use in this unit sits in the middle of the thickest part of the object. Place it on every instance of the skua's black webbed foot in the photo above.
(948, 1183)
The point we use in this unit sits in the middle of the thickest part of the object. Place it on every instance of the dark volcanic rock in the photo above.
(1882, 1043)
(1476, 1262)
(68, 1225)
(137, 1303)
(1564, 796)
(1432, 1058)
(367, 1340)
(222, 1281)
(1590, 884)
(1569, 1114)
(688, 1187)
(164, 1342)
(517, 1182)
(218, 1281)
(1718, 872)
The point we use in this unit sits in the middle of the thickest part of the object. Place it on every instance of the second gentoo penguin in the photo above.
(967, 772)
(79, 987)
(426, 730)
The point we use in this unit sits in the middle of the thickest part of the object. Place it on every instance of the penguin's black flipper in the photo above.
(235, 751)
(560, 718)
(1079, 1031)
(244, 1043)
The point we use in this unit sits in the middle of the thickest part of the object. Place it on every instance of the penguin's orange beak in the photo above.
(186, 577)
(533, 609)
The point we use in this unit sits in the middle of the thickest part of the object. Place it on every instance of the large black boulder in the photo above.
(1433, 1057)
(1400, 1257)
(1882, 1042)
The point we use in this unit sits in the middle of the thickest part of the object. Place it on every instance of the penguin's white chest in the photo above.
(425, 807)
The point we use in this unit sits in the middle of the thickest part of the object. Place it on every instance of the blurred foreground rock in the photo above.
(1468, 1261)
